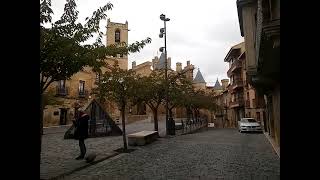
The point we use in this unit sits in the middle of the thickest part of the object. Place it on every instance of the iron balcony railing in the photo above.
(247, 103)
(237, 83)
(235, 65)
(237, 102)
(83, 94)
(62, 91)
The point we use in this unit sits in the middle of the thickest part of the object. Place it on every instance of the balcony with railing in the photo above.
(247, 103)
(259, 103)
(62, 91)
(237, 83)
(238, 102)
(83, 94)
(234, 66)
(246, 83)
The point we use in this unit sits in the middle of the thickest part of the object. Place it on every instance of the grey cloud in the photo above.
(200, 32)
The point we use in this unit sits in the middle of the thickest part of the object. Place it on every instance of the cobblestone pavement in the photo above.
(58, 154)
(211, 154)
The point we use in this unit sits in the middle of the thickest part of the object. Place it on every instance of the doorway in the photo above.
(63, 116)
(265, 124)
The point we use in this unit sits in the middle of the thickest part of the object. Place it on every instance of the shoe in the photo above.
(79, 157)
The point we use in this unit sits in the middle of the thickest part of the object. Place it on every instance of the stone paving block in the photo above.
(212, 154)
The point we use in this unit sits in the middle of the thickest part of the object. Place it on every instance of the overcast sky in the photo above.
(200, 31)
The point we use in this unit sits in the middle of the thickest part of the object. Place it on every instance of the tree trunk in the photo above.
(170, 113)
(198, 114)
(41, 122)
(155, 118)
(193, 115)
(188, 114)
(124, 129)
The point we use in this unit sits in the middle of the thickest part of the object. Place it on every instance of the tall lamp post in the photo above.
(163, 31)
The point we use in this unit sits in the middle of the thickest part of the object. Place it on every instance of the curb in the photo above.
(83, 167)
(274, 146)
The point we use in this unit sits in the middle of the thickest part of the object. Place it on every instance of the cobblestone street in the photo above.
(211, 154)
(58, 155)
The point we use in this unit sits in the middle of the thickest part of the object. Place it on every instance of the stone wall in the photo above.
(276, 113)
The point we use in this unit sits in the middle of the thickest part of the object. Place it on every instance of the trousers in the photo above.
(82, 146)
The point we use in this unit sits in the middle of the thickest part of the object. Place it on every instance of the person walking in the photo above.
(81, 132)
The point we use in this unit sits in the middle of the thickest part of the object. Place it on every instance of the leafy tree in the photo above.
(202, 100)
(50, 99)
(63, 51)
(152, 91)
(117, 85)
(177, 91)
(197, 99)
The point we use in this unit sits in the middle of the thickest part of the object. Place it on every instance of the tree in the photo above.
(152, 91)
(202, 100)
(188, 99)
(177, 91)
(50, 99)
(63, 51)
(117, 85)
(196, 100)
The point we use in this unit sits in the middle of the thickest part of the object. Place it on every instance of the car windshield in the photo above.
(249, 120)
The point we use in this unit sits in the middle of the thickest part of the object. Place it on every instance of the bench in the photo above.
(141, 138)
(178, 126)
(211, 125)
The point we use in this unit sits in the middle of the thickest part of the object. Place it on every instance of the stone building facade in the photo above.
(239, 98)
(78, 88)
(259, 22)
(142, 111)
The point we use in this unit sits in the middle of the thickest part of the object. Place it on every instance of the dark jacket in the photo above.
(81, 125)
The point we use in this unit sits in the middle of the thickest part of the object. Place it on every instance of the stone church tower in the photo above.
(117, 33)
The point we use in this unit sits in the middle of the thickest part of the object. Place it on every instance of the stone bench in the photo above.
(178, 126)
(211, 125)
(141, 138)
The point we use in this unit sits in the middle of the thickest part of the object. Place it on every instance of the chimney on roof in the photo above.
(178, 66)
(224, 83)
(134, 64)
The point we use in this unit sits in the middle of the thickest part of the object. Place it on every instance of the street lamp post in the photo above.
(164, 31)
(123, 121)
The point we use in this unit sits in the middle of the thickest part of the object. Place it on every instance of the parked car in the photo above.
(249, 125)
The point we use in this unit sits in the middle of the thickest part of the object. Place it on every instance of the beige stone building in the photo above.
(236, 89)
(142, 111)
(238, 99)
(259, 22)
(222, 99)
(78, 88)
(254, 105)
(222, 116)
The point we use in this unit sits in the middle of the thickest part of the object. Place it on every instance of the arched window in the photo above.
(117, 36)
